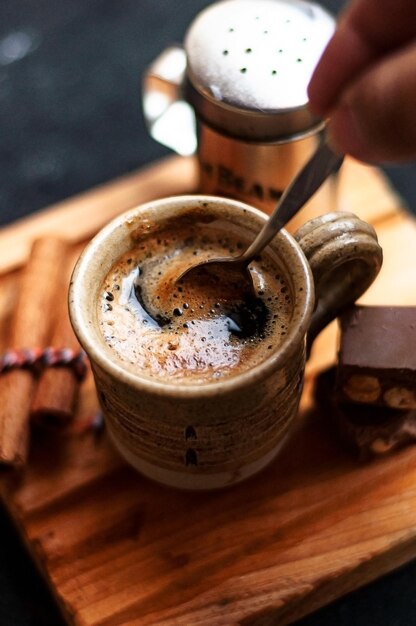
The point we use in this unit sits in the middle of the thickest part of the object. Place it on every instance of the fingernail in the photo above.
(345, 135)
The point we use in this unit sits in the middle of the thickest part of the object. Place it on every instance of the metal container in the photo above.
(236, 95)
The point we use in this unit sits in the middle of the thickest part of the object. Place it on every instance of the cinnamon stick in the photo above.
(58, 387)
(39, 289)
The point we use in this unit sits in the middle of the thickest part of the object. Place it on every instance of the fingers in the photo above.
(375, 119)
(346, 53)
(368, 30)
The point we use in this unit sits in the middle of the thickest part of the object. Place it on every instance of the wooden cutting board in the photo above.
(117, 549)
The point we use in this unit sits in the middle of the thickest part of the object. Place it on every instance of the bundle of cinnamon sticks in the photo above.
(40, 319)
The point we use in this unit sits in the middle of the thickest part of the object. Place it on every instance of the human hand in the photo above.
(365, 81)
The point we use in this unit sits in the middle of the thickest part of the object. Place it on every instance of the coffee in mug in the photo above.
(200, 331)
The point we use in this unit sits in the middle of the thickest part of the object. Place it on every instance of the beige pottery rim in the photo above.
(83, 320)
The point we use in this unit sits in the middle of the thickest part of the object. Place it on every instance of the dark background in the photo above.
(69, 119)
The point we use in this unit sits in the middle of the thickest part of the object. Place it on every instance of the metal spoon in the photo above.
(230, 277)
(234, 270)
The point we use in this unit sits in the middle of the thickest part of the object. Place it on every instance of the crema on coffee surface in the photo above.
(202, 332)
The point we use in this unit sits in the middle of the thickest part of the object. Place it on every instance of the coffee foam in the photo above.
(198, 337)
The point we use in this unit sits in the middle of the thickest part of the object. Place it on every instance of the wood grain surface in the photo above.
(117, 549)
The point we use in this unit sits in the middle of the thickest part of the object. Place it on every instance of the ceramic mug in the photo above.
(216, 434)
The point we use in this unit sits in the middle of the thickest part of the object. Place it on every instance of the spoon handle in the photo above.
(322, 163)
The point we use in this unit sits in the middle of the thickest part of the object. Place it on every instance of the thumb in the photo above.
(375, 118)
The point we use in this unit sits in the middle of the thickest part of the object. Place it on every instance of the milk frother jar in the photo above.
(236, 94)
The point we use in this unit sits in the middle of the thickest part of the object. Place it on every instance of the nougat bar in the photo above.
(377, 356)
(367, 431)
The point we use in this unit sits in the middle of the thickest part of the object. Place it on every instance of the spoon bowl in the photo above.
(227, 276)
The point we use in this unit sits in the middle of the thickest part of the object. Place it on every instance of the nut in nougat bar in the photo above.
(377, 356)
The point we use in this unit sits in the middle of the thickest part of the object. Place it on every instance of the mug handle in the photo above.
(169, 118)
(345, 258)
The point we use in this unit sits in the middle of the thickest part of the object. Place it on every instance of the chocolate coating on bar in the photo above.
(377, 356)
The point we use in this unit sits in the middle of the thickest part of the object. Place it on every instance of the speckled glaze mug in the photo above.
(216, 434)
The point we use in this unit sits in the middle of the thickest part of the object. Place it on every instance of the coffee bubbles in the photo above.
(200, 330)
